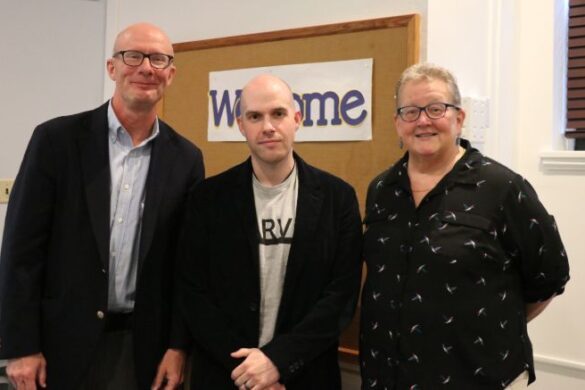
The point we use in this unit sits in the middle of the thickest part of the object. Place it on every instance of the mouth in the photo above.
(425, 135)
(268, 142)
(143, 84)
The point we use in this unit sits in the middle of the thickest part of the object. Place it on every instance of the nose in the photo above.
(267, 125)
(146, 66)
(423, 119)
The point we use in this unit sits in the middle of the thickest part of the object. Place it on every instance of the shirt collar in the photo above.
(115, 127)
(466, 170)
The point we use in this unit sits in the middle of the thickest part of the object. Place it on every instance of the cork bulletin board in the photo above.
(392, 42)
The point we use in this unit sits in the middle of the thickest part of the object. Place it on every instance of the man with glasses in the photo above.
(89, 243)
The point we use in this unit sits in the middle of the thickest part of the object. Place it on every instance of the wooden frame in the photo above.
(392, 42)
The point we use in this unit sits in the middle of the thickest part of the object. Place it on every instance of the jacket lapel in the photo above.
(246, 208)
(162, 159)
(309, 205)
(94, 157)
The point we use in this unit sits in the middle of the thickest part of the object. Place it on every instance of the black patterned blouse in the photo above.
(443, 305)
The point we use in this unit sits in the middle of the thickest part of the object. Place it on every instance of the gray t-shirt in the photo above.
(275, 210)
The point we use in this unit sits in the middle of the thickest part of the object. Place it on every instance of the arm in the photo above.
(256, 371)
(179, 337)
(205, 321)
(535, 244)
(24, 249)
(322, 324)
(533, 310)
(28, 371)
(170, 372)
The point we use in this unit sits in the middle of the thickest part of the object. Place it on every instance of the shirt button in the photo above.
(120, 220)
(126, 187)
(100, 314)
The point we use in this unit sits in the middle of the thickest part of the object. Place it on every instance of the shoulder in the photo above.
(178, 140)
(495, 170)
(313, 175)
(224, 182)
(59, 134)
(70, 124)
(378, 180)
(498, 177)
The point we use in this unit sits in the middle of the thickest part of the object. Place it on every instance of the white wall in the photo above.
(500, 49)
(51, 64)
(512, 53)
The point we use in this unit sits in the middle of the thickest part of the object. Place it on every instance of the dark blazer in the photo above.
(219, 285)
(54, 264)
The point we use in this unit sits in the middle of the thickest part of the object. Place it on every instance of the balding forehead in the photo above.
(265, 84)
(142, 32)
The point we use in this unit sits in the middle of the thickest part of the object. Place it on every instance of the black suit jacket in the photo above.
(54, 263)
(219, 285)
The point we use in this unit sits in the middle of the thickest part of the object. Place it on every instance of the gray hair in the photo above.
(427, 71)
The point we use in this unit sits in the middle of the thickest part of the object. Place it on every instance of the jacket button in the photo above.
(253, 307)
(100, 314)
(103, 270)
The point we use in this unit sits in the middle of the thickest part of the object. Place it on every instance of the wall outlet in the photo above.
(5, 189)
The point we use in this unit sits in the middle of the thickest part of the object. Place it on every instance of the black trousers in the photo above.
(113, 366)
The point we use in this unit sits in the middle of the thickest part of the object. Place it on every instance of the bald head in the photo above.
(140, 85)
(141, 34)
(263, 86)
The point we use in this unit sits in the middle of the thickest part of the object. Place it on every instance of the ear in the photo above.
(460, 118)
(396, 122)
(111, 69)
(298, 119)
(241, 126)
(172, 72)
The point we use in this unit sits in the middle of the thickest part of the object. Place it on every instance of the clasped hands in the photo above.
(256, 372)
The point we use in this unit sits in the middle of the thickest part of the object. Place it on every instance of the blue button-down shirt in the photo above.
(128, 170)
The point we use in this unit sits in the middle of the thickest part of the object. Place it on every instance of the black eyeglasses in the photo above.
(433, 111)
(135, 58)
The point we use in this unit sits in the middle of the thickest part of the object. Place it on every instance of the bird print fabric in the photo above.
(443, 304)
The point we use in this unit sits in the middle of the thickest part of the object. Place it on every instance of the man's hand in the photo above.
(276, 386)
(256, 372)
(28, 371)
(170, 370)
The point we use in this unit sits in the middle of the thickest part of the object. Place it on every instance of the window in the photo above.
(576, 74)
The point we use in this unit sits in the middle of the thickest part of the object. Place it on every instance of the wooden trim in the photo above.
(565, 162)
(576, 62)
(412, 21)
(575, 134)
(576, 32)
(575, 92)
(576, 83)
(573, 104)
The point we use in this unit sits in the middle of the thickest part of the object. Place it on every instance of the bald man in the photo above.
(86, 273)
(270, 262)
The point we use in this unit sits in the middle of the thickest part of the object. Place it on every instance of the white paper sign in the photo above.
(335, 99)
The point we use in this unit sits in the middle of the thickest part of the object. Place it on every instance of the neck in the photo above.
(272, 174)
(137, 122)
(436, 165)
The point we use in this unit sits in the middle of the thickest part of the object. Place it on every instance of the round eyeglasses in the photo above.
(433, 111)
(135, 58)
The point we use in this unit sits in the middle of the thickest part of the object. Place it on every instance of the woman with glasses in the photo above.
(460, 255)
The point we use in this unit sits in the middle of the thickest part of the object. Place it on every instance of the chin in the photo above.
(272, 158)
